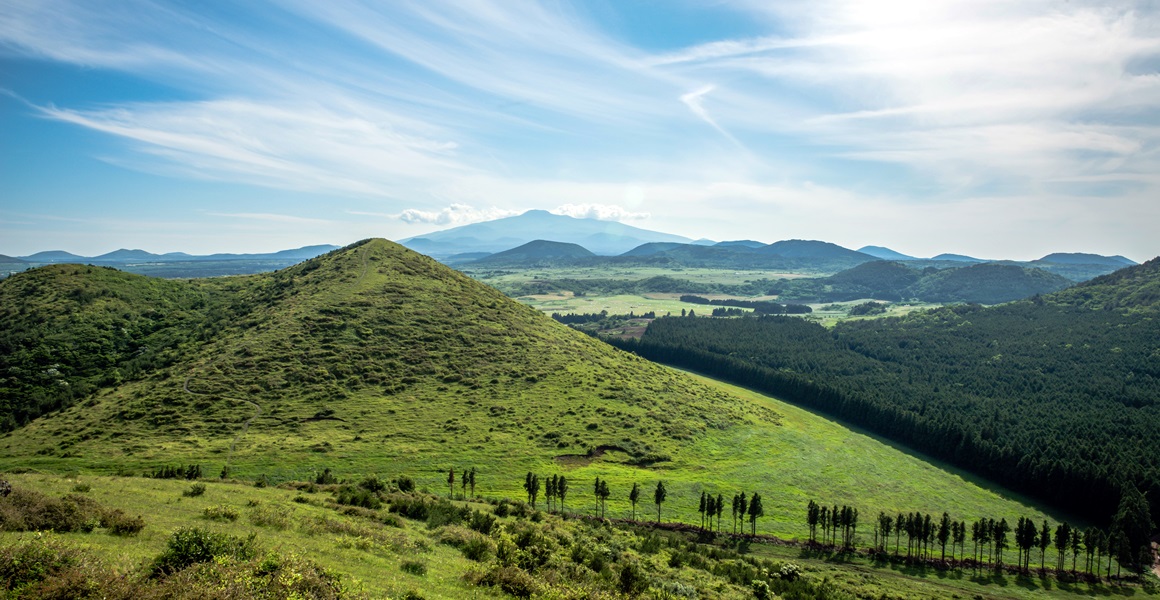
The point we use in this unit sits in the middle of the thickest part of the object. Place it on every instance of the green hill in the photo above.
(536, 251)
(373, 334)
(987, 283)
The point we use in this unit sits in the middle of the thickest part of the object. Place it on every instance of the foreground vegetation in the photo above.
(234, 540)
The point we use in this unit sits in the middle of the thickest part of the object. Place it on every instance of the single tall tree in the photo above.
(562, 490)
(944, 533)
(756, 511)
(451, 481)
(1062, 537)
(659, 498)
(633, 496)
(1044, 541)
(701, 509)
(471, 480)
(604, 493)
(720, 504)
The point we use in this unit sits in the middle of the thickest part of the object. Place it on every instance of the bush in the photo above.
(262, 481)
(482, 522)
(325, 477)
(357, 496)
(502, 509)
(30, 510)
(512, 580)
(633, 580)
(478, 548)
(414, 567)
(277, 517)
(82, 488)
(194, 490)
(192, 545)
(119, 523)
(405, 484)
(220, 512)
(761, 590)
(373, 484)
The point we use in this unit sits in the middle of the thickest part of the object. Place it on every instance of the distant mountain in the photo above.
(11, 259)
(1080, 258)
(124, 255)
(53, 256)
(884, 253)
(812, 249)
(601, 237)
(741, 243)
(958, 258)
(536, 251)
(704, 242)
(653, 248)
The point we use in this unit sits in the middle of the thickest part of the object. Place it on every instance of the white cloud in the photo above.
(454, 215)
(602, 212)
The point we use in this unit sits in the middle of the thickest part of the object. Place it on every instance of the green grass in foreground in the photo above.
(583, 559)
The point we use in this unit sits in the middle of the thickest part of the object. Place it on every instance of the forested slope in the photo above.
(1058, 396)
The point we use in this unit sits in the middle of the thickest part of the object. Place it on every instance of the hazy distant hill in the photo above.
(537, 251)
(600, 237)
(179, 264)
(884, 253)
(1080, 258)
(957, 258)
(652, 248)
(812, 249)
(741, 243)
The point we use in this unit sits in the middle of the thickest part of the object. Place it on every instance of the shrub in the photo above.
(512, 580)
(262, 481)
(482, 522)
(325, 477)
(405, 484)
(478, 548)
(30, 510)
(761, 590)
(82, 488)
(633, 579)
(373, 484)
(220, 512)
(119, 523)
(33, 561)
(790, 572)
(194, 490)
(414, 567)
(357, 496)
(277, 517)
(502, 509)
(300, 499)
(192, 545)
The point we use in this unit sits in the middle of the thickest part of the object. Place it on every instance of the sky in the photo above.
(995, 129)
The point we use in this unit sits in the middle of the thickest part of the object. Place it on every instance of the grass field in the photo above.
(379, 559)
(787, 454)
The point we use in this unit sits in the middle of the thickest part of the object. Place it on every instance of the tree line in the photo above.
(1057, 402)
(765, 307)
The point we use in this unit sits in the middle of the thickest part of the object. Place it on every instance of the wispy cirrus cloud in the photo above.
(421, 111)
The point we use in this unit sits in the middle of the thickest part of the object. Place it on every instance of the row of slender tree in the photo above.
(838, 527)
(743, 507)
(989, 538)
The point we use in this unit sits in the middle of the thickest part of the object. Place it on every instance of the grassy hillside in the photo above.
(419, 546)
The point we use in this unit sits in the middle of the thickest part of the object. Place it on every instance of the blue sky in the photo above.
(995, 129)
